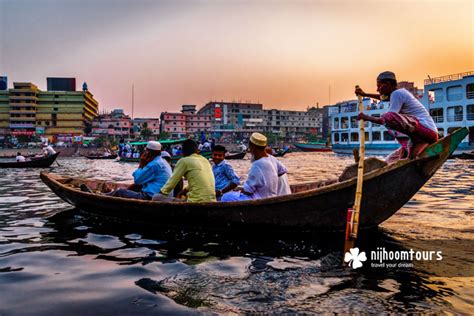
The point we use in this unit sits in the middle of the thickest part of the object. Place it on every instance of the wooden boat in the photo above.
(102, 157)
(236, 156)
(313, 206)
(316, 146)
(281, 153)
(463, 156)
(33, 163)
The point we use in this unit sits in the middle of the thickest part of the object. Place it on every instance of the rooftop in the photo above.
(448, 78)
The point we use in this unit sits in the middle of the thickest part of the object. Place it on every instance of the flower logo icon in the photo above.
(355, 258)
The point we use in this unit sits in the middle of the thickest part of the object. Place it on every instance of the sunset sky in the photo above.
(284, 54)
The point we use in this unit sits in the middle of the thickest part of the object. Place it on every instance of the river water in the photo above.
(55, 260)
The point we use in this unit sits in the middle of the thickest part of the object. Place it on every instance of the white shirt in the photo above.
(20, 158)
(48, 151)
(262, 181)
(403, 102)
(283, 183)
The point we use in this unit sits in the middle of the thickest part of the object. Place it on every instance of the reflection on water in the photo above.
(54, 259)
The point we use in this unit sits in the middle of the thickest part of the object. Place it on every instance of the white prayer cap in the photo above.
(153, 145)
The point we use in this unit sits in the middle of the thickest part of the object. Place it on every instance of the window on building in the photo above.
(375, 136)
(454, 113)
(344, 137)
(344, 122)
(470, 112)
(454, 93)
(437, 115)
(470, 91)
(354, 137)
(336, 137)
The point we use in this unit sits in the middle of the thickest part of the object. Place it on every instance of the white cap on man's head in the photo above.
(165, 154)
(153, 145)
(258, 139)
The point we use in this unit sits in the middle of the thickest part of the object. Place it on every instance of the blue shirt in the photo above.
(153, 176)
(224, 174)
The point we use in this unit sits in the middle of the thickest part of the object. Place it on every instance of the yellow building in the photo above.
(26, 110)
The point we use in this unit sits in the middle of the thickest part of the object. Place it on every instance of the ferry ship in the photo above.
(449, 100)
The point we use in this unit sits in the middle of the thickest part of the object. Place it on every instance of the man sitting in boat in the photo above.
(197, 170)
(20, 158)
(405, 114)
(224, 174)
(262, 181)
(48, 150)
(149, 178)
(283, 183)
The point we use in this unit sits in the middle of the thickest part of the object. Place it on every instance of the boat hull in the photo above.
(313, 147)
(236, 156)
(102, 157)
(38, 163)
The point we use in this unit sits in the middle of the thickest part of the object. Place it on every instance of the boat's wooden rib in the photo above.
(33, 163)
(313, 206)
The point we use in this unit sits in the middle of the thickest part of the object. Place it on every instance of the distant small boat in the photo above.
(33, 163)
(102, 157)
(315, 146)
(463, 156)
(282, 152)
(236, 156)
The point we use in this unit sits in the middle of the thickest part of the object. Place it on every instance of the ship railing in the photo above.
(448, 78)
(470, 116)
(454, 118)
(438, 119)
(470, 94)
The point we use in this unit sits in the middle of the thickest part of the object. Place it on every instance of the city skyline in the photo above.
(279, 53)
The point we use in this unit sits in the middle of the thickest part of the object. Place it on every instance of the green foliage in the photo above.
(145, 133)
(272, 138)
(87, 129)
(164, 135)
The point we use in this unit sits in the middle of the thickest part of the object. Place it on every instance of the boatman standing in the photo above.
(262, 181)
(224, 175)
(405, 115)
(152, 173)
(197, 170)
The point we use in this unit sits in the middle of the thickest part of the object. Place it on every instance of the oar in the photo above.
(353, 214)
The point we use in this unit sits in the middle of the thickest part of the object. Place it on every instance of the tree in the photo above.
(271, 138)
(164, 135)
(87, 129)
(145, 132)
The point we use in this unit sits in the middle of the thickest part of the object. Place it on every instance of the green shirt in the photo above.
(197, 170)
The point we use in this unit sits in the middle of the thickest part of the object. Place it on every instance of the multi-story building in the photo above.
(153, 124)
(292, 125)
(116, 124)
(186, 123)
(26, 110)
(234, 119)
